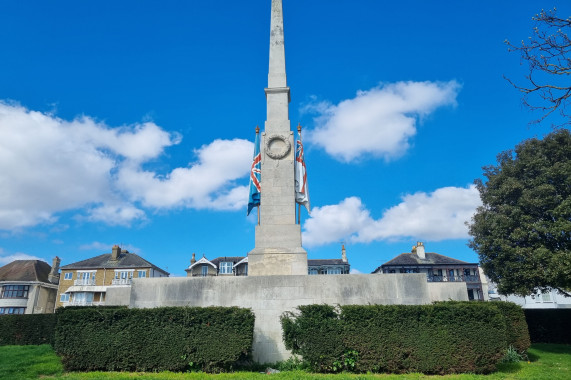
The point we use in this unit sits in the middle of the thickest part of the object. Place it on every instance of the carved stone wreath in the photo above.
(277, 146)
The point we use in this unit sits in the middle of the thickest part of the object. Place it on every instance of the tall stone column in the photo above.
(278, 248)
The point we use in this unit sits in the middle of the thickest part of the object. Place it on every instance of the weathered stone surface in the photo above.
(278, 248)
(270, 296)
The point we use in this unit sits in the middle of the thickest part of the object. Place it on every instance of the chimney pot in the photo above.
(115, 252)
(420, 250)
(343, 253)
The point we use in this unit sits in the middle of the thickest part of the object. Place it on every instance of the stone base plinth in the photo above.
(277, 262)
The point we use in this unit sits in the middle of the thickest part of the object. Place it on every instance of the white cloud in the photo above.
(379, 122)
(333, 223)
(115, 215)
(8, 258)
(205, 184)
(49, 165)
(432, 216)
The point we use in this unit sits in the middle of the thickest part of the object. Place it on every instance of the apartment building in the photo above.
(85, 283)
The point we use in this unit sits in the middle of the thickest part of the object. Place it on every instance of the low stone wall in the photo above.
(270, 296)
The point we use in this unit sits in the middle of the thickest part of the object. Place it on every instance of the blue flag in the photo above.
(255, 176)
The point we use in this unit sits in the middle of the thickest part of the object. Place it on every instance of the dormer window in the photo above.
(226, 267)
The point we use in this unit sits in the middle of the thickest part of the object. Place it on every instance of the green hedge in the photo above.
(517, 333)
(167, 338)
(549, 325)
(442, 338)
(27, 329)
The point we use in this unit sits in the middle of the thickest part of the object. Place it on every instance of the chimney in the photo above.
(343, 253)
(53, 277)
(420, 250)
(193, 260)
(115, 252)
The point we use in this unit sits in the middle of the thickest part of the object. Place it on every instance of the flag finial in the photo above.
(298, 128)
(257, 129)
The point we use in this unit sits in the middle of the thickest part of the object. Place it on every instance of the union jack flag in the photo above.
(255, 176)
(301, 191)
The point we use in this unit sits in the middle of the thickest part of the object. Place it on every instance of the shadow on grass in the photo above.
(551, 348)
(509, 367)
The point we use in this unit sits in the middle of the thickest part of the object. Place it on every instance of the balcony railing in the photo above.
(83, 303)
(121, 281)
(83, 282)
(453, 279)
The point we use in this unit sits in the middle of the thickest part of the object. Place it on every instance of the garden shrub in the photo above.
(27, 329)
(517, 333)
(549, 325)
(166, 338)
(434, 339)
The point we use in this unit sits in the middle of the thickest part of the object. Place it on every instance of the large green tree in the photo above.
(522, 231)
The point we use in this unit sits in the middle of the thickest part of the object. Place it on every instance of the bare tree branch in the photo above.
(548, 55)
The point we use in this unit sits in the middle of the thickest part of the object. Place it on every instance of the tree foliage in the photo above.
(522, 231)
(548, 54)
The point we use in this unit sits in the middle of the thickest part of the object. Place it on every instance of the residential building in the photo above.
(238, 266)
(85, 283)
(220, 266)
(329, 266)
(548, 299)
(438, 268)
(28, 287)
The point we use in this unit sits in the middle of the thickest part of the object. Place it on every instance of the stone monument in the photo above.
(278, 249)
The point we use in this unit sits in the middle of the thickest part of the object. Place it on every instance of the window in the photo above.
(312, 271)
(204, 270)
(546, 297)
(142, 274)
(68, 276)
(333, 270)
(15, 291)
(226, 267)
(64, 297)
(466, 272)
(123, 274)
(407, 270)
(12, 310)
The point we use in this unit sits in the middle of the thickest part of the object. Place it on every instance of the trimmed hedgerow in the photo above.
(517, 333)
(27, 329)
(166, 338)
(549, 325)
(433, 339)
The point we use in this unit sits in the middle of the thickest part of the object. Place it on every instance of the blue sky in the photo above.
(132, 123)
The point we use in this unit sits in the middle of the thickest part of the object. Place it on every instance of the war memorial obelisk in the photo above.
(278, 249)
(277, 280)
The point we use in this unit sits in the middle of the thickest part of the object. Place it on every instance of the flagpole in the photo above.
(298, 213)
(258, 207)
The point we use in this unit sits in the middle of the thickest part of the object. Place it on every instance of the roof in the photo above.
(203, 260)
(232, 259)
(314, 263)
(125, 260)
(405, 259)
(25, 270)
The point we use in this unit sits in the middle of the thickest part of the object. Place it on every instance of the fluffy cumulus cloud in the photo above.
(202, 185)
(432, 216)
(8, 258)
(49, 165)
(378, 122)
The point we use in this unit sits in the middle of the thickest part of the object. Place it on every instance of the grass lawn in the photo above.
(547, 361)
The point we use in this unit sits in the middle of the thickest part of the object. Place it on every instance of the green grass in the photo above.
(546, 361)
